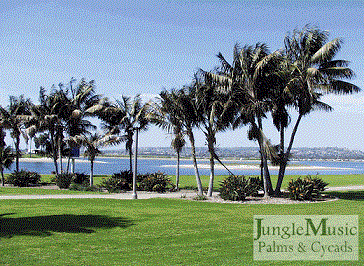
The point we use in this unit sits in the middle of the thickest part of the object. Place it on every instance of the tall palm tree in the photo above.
(81, 99)
(62, 113)
(217, 111)
(6, 160)
(163, 114)
(312, 71)
(48, 116)
(187, 113)
(14, 118)
(125, 117)
(246, 80)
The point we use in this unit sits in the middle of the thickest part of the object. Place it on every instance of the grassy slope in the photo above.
(143, 232)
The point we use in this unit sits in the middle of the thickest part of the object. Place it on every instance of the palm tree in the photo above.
(311, 72)
(61, 112)
(14, 118)
(6, 160)
(48, 116)
(92, 143)
(246, 81)
(125, 117)
(81, 99)
(217, 110)
(187, 113)
(163, 114)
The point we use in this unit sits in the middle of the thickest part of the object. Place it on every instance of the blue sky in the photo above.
(131, 47)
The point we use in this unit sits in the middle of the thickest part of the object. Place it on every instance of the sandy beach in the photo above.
(256, 167)
(50, 160)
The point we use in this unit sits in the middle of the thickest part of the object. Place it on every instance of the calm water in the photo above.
(113, 165)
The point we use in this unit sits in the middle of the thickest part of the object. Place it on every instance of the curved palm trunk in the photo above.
(91, 173)
(177, 171)
(283, 164)
(193, 153)
(218, 159)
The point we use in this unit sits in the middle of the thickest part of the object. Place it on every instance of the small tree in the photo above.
(6, 160)
(92, 144)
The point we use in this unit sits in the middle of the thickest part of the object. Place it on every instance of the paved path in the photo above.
(126, 195)
(358, 187)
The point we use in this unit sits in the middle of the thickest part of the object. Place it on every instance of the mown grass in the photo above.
(38, 191)
(144, 232)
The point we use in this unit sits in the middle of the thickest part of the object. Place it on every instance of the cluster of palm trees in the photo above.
(256, 85)
(61, 122)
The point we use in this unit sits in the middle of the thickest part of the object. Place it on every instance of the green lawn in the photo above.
(145, 232)
(38, 191)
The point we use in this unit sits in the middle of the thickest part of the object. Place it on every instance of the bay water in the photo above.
(108, 166)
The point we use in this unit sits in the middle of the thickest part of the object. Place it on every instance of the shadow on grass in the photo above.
(66, 223)
(347, 195)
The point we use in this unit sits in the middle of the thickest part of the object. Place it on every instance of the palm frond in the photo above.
(327, 51)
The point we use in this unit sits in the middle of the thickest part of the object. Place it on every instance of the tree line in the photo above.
(256, 85)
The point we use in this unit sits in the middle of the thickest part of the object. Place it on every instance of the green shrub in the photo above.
(23, 178)
(157, 182)
(81, 178)
(122, 181)
(307, 188)
(237, 188)
(84, 187)
(256, 184)
(64, 180)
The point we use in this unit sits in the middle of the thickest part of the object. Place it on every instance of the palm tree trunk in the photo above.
(218, 159)
(261, 167)
(210, 143)
(92, 173)
(135, 166)
(212, 168)
(268, 189)
(283, 164)
(177, 171)
(193, 153)
(60, 153)
(68, 164)
(54, 152)
(17, 143)
(130, 160)
(2, 176)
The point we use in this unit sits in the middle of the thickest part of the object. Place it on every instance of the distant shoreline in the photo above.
(241, 166)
